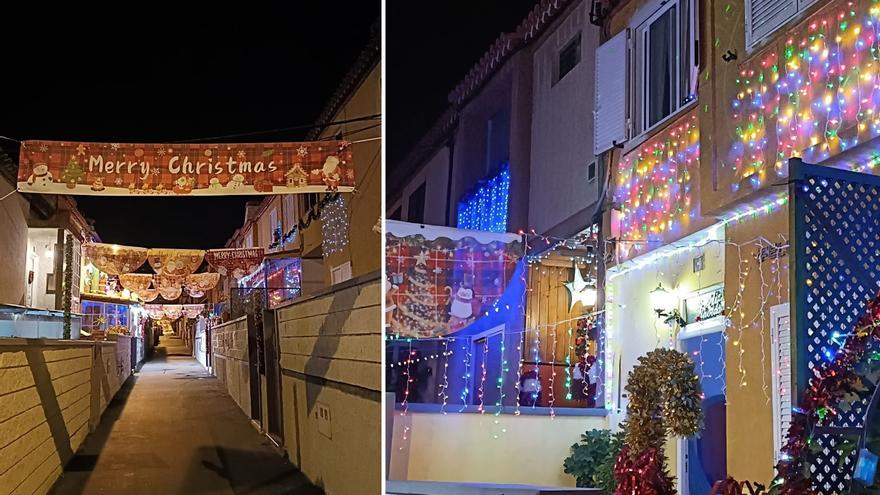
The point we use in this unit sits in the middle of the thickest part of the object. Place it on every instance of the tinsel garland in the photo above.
(665, 398)
(67, 289)
(832, 387)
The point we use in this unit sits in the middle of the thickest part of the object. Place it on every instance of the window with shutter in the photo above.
(780, 327)
(763, 17)
(609, 114)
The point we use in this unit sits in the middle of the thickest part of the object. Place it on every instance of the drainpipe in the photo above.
(451, 145)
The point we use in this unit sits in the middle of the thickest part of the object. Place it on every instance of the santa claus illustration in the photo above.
(330, 173)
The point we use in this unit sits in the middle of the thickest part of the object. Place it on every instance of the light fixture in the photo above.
(664, 304)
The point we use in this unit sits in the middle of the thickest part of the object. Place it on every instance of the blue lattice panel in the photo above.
(837, 243)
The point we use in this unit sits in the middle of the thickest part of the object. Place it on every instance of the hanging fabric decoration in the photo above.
(147, 295)
(193, 311)
(136, 282)
(235, 263)
(154, 311)
(201, 282)
(167, 281)
(195, 294)
(179, 262)
(170, 293)
(172, 311)
(113, 259)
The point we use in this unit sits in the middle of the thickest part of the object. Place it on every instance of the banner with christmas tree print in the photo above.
(441, 279)
(216, 169)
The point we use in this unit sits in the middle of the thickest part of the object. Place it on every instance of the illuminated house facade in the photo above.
(512, 154)
(715, 211)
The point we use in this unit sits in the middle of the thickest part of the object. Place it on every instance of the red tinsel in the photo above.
(644, 474)
(830, 383)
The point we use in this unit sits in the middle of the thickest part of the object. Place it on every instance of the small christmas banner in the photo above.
(114, 169)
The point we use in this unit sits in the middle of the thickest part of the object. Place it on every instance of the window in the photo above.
(666, 63)
(485, 207)
(50, 283)
(657, 57)
(591, 172)
(486, 368)
(416, 206)
(569, 57)
(764, 17)
(396, 214)
(341, 273)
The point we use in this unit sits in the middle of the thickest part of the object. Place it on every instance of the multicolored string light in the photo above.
(814, 96)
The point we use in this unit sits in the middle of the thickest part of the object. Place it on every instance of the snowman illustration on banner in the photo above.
(40, 176)
(462, 310)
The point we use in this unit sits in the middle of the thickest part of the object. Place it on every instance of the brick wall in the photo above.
(52, 394)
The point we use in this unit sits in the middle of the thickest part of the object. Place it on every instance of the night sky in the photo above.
(429, 50)
(176, 76)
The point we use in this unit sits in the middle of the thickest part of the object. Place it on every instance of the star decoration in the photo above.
(157, 171)
(580, 290)
(114, 146)
(242, 154)
(81, 149)
(422, 258)
(118, 181)
(44, 148)
(161, 152)
(302, 151)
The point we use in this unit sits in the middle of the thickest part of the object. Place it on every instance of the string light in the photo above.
(334, 226)
(814, 97)
(654, 183)
(485, 208)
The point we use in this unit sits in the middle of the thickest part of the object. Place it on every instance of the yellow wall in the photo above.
(365, 204)
(749, 413)
(462, 448)
(48, 388)
(13, 245)
(332, 380)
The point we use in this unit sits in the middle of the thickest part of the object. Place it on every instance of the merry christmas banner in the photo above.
(125, 169)
(440, 279)
(235, 262)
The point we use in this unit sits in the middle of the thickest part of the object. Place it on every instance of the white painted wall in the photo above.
(200, 343)
(562, 125)
(633, 327)
(41, 250)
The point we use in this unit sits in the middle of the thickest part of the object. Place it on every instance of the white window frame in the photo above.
(638, 121)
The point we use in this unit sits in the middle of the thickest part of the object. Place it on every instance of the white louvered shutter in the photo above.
(763, 17)
(609, 111)
(780, 327)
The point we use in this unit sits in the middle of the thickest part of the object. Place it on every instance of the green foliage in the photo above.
(67, 287)
(592, 459)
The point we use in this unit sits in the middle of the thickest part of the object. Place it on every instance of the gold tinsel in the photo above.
(664, 394)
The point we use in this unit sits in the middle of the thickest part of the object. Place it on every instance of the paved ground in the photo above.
(173, 430)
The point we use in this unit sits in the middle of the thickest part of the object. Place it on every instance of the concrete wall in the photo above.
(230, 354)
(331, 385)
(52, 394)
(200, 343)
(521, 449)
(562, 127)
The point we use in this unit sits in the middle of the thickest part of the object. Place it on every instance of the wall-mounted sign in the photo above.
(114, 169)
(704, 305)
